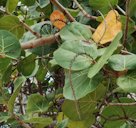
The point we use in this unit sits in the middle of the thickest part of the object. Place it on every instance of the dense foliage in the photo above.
(74, 67)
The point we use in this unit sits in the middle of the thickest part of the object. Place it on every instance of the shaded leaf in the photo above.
(103, 5)
(131, 25)
(11, 5)
(37, 103)
(112, 112)
(4, 117)
(17, 86)
(127, 82)
(28, 2)
(27, 65)
(132, 8)
(43, 3)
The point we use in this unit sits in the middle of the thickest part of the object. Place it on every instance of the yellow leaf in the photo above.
(108, 29)
(58, 19)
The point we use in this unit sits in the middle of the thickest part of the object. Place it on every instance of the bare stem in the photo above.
(30, 30)
(126, 24)
(41, 41)
(84, 12)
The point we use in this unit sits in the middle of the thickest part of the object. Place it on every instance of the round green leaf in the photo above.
(86, 105)
(12, 24)
(76, 55)
(122, 62)
(9, 45)
(75, 31)
(37, 103)
(127, 82)
(82, 85)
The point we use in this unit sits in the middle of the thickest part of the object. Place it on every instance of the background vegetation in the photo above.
(74, 67)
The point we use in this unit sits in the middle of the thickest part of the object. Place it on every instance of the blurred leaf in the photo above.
(43, 3)
(77, 54)
(62, 124)
(131, 24)
(27, 65)
(4, 117)
(37, 103)
(9, 45)
(80, 124)
(132, 8)
(82, 85)
(41, 73)
(103, 5)
(3, 3)
(28, 2)
(17, 86)
(7, 74)
(4, 65)
(44, 121)
(75, 31)
(11, 5)
(73, 12)
(127, 82)
(122, 62)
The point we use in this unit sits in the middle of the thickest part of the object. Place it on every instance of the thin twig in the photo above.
(121, 10)
(63, 10)
(38, 35)
(126, 24)
(84, 12)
